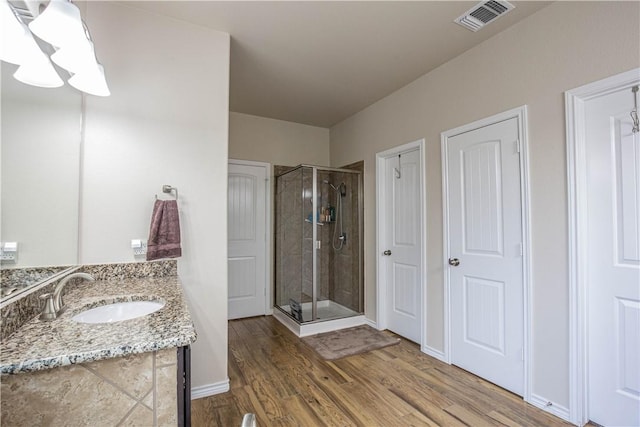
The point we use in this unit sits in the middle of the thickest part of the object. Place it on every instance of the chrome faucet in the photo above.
(58, 304)
(53, 304)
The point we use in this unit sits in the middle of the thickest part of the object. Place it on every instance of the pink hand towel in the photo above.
(164, 235)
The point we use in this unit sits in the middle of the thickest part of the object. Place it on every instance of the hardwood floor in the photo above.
(285, 383)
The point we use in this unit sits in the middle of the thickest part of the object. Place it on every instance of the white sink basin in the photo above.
(118, 311)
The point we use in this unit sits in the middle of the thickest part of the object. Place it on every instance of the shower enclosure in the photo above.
(318, 245)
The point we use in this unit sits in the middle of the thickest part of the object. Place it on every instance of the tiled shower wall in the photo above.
(340, 269)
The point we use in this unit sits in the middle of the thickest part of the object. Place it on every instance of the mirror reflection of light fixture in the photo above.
(15, 36)
(38, 71)
(60, 25)
(75, 58)
(91, 81)
(20, 48)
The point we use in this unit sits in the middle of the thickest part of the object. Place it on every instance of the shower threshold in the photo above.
(331, 317)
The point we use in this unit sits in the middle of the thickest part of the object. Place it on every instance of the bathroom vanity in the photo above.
(131, 372)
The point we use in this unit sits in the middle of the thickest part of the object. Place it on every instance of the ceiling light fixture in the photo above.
(60, 25)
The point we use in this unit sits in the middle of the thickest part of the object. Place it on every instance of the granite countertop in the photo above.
(39, 345)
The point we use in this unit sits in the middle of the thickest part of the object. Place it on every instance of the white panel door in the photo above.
(247, 240)
(485, 264)
(613, 260)
(402, 240)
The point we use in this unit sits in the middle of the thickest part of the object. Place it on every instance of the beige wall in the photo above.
(166, 122)
(276, 141)
(559, 48)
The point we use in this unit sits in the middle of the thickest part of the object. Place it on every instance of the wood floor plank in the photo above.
(236, 373)
(241, 328)
(461, 388)
(219, 415)
(335, 393)
(202, 411)
(433, 413)
(286, 383)
(368, 394)
(340, 372)
(503, 419)
(270, 403)
(324, 407)
(299, 357)
(528, 416)
(414, 382)
(416, 419)
(471, 417)
(286, 421)
(407, 386)
(300, 410)
(254, 406)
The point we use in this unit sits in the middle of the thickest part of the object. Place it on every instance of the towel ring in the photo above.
(168, 189)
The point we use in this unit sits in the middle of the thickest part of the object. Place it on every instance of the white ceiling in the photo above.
(320, 62)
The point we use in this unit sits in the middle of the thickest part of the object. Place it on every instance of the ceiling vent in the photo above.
(483, 13)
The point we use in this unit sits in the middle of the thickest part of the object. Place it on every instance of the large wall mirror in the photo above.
(40, 152)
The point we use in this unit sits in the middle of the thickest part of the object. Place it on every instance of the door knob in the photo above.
(387, 252)
(454, 261)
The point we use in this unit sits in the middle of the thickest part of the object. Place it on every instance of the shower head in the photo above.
(326, 181)
(341, 189)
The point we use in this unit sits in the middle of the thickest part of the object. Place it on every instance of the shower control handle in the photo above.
(387, 252)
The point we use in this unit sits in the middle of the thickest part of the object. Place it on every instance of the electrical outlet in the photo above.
(142, 250)
(8, 252)
(7, 257)
(139, 247)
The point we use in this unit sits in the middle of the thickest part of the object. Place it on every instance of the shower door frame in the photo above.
(316, 242)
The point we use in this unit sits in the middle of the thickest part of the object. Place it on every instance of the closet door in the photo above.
(247, 245)
(613, 251)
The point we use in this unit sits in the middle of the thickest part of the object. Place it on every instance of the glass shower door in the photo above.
(308, 238)
(289, 239)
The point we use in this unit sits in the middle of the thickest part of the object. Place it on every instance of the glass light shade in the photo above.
(38, 72)
(60, 24)
(76, 58)
(15, 35)
(35, 67)
(91, 81)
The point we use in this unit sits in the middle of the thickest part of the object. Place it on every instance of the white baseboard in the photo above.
(436, 354)
(210, 389)
(550, 407)
(287, 321)
(330, 325)
(371, 323)
(317, 327)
